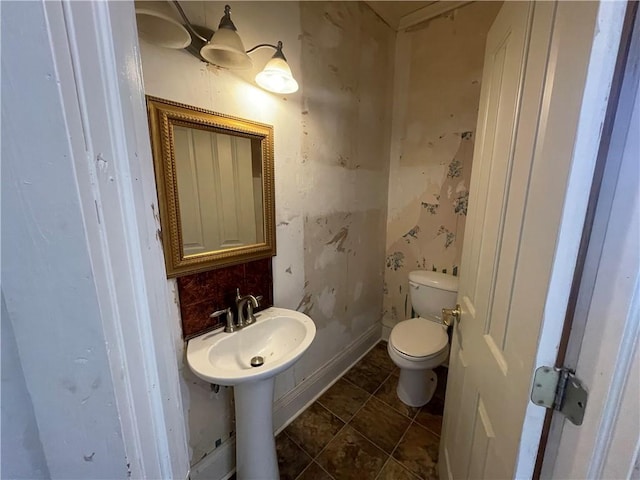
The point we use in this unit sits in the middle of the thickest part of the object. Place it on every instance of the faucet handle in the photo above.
(251, 318)
(230, 326)
(238, 297)
(218, 313)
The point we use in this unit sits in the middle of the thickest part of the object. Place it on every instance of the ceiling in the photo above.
(391, 12)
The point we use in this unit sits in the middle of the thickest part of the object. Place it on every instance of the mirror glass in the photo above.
(215, 186)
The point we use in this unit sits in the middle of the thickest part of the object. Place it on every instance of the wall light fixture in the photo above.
(224, 48)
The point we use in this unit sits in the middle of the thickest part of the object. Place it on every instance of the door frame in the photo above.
(599, 225)
(98, 68)
(595, 98)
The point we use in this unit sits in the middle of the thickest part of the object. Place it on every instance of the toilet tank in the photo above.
(430, 292)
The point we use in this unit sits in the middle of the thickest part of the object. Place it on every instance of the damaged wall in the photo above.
(343, 171)
(331, 171)
(21, 452)
(438, 69)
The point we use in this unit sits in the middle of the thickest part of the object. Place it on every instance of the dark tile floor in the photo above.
(359, 429)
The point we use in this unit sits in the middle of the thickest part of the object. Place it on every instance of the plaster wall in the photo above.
(21, 454)
(331, 171)
(438, 69)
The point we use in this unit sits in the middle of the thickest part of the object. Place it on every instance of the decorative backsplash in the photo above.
(201, 294)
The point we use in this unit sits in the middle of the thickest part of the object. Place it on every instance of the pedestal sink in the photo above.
(274, 342)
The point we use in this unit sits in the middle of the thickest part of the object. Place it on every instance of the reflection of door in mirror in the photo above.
(219, 180)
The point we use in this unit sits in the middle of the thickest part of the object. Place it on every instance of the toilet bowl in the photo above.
(420, 344)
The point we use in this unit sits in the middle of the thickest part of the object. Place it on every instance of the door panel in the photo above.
(479, 439)
(482, 441)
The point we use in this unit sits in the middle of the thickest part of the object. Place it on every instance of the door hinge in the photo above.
(558, 388)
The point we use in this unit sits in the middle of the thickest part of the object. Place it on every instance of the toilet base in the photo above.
(416, 387)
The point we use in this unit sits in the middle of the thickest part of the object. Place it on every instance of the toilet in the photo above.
(420, 344)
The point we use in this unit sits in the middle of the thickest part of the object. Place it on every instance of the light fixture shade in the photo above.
(157, 25)
(225, 49)
(276, 77)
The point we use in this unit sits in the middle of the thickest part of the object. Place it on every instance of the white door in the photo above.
(529, 126)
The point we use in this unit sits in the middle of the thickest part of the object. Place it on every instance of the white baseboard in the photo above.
(294, 402)
(218, 465)
(221, 463)
(386, 332)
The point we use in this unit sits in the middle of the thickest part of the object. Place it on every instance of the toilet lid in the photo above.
(418, 337)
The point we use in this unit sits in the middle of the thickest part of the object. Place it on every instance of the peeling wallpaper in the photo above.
(372, 164)
(438, 69)
(332, 140)
(344, 147)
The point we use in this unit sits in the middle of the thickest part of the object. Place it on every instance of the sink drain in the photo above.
(257, 361)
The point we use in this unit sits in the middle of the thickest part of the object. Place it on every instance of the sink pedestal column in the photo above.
(255, 444)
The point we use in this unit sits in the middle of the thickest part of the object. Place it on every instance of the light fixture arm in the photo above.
(187, 23)
(277, 48)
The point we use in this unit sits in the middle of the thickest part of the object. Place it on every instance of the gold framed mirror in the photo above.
(214, 175)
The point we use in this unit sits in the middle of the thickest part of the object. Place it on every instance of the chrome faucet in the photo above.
(250, 302)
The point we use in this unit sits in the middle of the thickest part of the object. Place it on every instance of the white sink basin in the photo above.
(280, 336)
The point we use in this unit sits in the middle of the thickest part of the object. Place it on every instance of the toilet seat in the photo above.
(418, 338)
